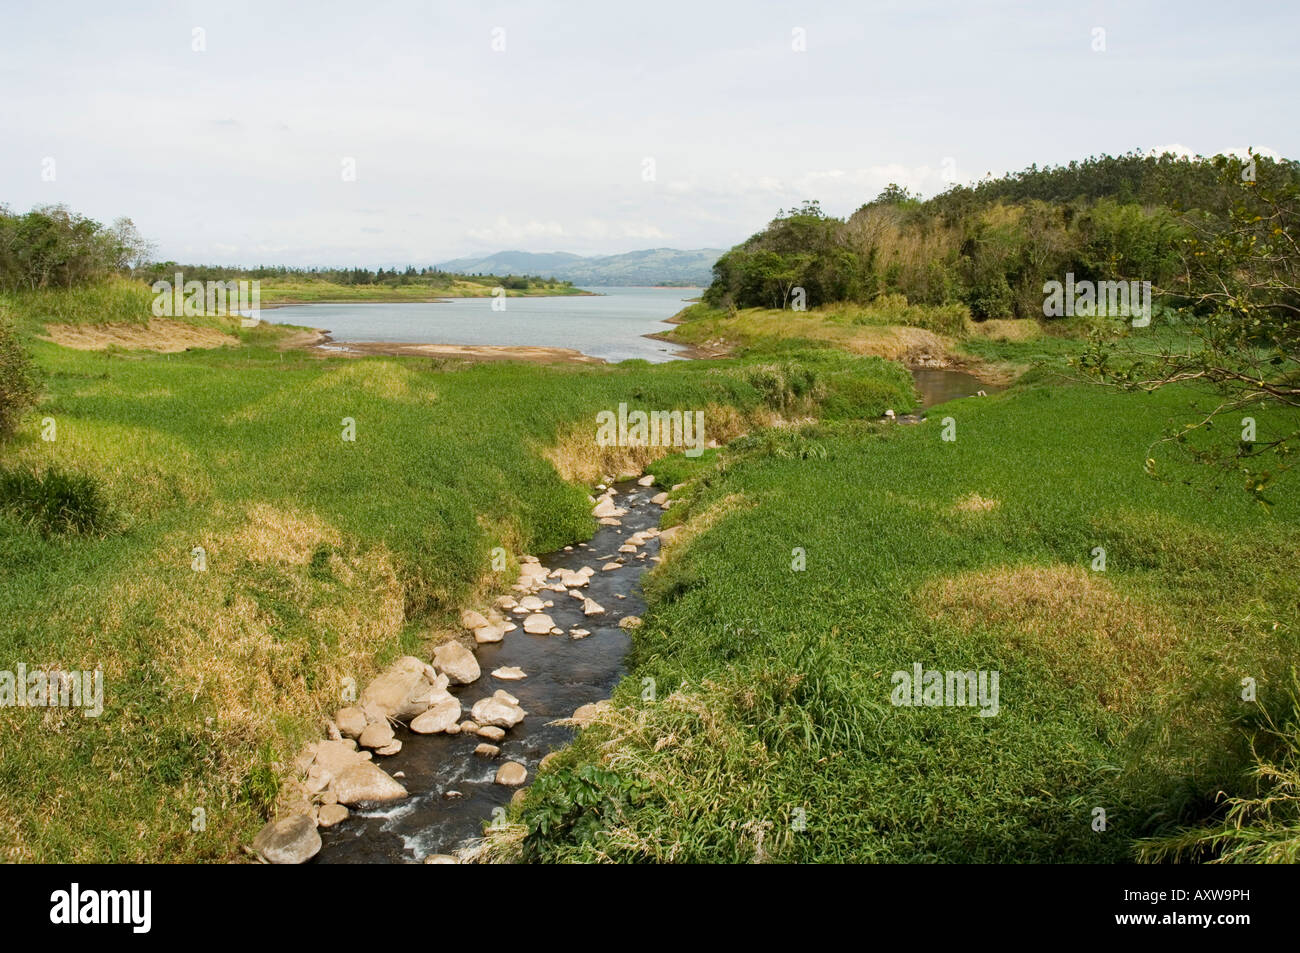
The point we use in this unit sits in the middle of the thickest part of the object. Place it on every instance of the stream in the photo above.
(453, 790)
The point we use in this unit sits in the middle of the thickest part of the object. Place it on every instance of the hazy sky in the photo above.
(235, 153)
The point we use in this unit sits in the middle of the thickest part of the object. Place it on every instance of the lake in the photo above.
(609, 325)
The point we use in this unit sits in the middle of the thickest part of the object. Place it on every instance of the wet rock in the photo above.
(468, 725)
(290, 841)
(486, 750)
(457, 662)
(441, 859)
(364, 783)
(490, 732)
(578, 633)
(512, 774)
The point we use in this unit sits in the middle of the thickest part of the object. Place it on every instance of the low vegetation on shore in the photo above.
(323, 558)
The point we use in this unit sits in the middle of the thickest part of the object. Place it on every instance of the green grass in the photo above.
(773, 685)
(324, 558)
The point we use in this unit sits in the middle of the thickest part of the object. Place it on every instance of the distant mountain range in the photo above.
(651, 266)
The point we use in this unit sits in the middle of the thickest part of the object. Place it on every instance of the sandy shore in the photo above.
(458, 352)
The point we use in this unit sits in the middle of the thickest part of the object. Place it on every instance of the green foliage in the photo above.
(52, 246)
(1262, 827)
(55, 501)
(992, 247)
(18, 378)
(576, 807)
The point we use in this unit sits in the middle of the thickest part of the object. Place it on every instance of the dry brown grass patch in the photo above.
(974, 503)
(1007, 329)
(161, 335)
(1086, 631)
(578, 458)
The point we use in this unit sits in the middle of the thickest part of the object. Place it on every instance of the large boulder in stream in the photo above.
(292, 840)
(497, 713)
(366, 783)
(443, 716)
(456, 662)
(402, 691)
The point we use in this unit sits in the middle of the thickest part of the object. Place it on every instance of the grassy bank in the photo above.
(324, 557)
(1119, 689)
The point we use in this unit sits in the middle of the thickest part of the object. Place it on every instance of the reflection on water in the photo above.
(939, 384)
(610, 325)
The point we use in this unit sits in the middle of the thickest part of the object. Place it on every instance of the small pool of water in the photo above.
(937, 385)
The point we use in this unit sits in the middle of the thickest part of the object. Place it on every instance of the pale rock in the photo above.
(491, 733)
(584, 715)
(647, 480)
(496, 713)
(331, 814)
(604, 508)
(457, 662)
(509, 673)
(391, 748)
(512, 774)
(364, 783)
(539, 623)
(489, 633)
(290, 841)
(486, 750)
(376, 736)
(659, 499)
(401, 692)
(578, 633)
(472, 620)
(609, 567)
(351, 721)
(591, 607)
(441, 717)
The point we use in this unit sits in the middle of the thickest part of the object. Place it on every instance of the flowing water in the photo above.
(453, 790)
(610, 324)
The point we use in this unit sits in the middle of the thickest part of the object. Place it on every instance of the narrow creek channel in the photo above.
(453, 790)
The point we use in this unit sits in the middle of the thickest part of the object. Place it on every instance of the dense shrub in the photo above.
(54, 502)
(18, 387)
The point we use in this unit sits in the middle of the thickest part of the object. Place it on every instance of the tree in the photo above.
(1240, 286)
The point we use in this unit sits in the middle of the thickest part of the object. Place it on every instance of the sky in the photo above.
(376, 133)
